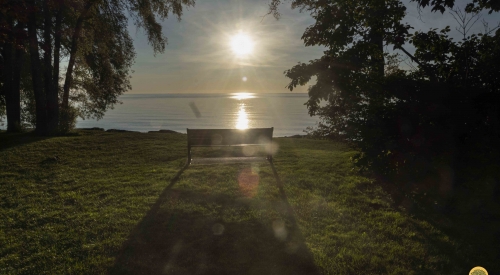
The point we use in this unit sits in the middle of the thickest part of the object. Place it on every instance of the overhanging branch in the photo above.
(424, 67)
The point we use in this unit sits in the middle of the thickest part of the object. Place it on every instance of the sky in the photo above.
(199, 57)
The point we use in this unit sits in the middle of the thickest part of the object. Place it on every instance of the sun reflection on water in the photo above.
(240, 96)
(242, 122)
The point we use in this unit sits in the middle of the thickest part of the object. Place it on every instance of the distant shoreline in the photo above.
(281, 93)
(285, 112)
(161, 131)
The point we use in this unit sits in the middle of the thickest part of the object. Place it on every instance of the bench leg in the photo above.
(270, 152)
(189, 155)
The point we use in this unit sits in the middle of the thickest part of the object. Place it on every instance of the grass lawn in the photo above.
(123, 203)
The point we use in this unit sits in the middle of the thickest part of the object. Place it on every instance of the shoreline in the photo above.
(161, 131)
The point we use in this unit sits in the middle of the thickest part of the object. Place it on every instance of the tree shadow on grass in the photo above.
(8, 140)
(184, 233)
(471, 240)
(479, 246)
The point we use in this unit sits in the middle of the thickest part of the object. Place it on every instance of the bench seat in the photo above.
(229, 137)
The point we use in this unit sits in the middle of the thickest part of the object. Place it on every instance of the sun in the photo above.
(242, 44)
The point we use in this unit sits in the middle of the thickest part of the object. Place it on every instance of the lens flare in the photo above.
(279, 230)
(248, 181)
(218, 229)
(248, 151)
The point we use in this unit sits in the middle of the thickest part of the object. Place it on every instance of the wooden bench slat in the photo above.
(215, 137)
(228, 137)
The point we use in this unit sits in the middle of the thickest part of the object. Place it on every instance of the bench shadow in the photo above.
(176, 238)
(283, 196)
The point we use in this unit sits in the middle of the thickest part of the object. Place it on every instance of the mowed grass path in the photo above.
(121, 203)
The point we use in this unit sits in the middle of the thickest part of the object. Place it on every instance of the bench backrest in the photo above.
(225, 137)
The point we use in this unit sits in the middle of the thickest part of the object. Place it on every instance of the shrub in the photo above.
(67, 118)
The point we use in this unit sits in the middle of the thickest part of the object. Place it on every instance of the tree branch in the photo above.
(424, 67)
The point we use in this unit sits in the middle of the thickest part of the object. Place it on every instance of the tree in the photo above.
(145, 15)
(36, 67)
(403, 121)
(57, 29)
(103, 64)
(475, 5)
(12, 44)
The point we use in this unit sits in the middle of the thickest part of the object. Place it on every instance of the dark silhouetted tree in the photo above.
(12, 50)
(403, 121)
(99, 93)
(56, 29)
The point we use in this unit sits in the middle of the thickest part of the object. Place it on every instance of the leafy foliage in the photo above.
(406, 123)
(93, 36)
(103, 63)
(68, 117)
(106, 53)
(475, 5)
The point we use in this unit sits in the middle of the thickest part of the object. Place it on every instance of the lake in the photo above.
(285, 112)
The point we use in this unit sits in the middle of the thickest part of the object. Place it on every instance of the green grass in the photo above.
(98, 202)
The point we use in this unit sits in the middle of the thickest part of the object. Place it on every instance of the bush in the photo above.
(67, 119)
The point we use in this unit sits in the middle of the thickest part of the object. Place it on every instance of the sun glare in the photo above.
(241, 44)
(242, 122)
(240, 96)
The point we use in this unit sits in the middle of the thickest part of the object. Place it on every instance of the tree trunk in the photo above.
(428, 71)
(16, 74)
(73, 50)
(57, 50)
(376, 37)
(378, 58)
(7, 85)
(40, 99)
(12, 97)
(50, 92)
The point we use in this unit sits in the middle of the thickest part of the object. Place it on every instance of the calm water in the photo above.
(285, 112)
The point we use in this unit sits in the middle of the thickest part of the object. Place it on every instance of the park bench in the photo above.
(230, 137)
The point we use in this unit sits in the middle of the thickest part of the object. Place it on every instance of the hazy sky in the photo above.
(199, 59)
